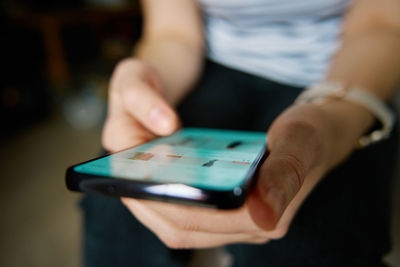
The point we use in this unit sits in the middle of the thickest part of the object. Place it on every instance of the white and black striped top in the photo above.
(289, 41)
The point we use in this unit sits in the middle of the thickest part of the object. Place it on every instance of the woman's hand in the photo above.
(304, 142)
(137, 110)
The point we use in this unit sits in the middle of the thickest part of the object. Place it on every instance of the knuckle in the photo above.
(278, 232)
(313, 136)
(119, 71)
(293, 181)
(130, 94)
(301, 125)
(124, 71)
(175, 239)
(121, 64)
(107, 136)
(188, 225)
(126, 62)
(293, 163)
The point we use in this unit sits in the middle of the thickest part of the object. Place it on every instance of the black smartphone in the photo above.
(206, 167)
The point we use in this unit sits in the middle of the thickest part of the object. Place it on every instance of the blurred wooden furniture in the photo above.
(50, 25)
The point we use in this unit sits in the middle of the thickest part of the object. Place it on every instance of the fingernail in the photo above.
(161, 119)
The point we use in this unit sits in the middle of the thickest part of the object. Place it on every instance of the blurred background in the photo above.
(57, 58)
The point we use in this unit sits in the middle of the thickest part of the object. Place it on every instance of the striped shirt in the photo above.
(288, 41)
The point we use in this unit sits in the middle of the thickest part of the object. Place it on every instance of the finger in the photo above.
(121, 132)
(280, 178)
(293, 151)
(176, 238)
(149, 108)
(198, 219)
(296, 142)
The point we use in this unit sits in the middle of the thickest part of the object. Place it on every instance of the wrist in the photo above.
(346, 122)
(348, 119)
(325, 92)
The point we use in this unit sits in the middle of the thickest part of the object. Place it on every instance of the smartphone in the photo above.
(194, 166)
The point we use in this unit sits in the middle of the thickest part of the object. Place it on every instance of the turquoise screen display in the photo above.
(204, 158)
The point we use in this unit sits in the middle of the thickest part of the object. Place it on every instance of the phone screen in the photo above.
(204, 158)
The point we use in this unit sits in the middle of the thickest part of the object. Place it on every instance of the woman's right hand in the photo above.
(137, 110)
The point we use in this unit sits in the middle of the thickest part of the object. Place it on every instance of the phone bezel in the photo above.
(122, 187)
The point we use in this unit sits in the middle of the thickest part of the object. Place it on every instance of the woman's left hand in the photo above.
(303, 144)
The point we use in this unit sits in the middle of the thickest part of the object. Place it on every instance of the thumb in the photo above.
(298, 144)
(280, 178)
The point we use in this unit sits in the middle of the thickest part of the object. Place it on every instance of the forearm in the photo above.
(369, 55)
(370, 62)
(177, 62)
(369, 59)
